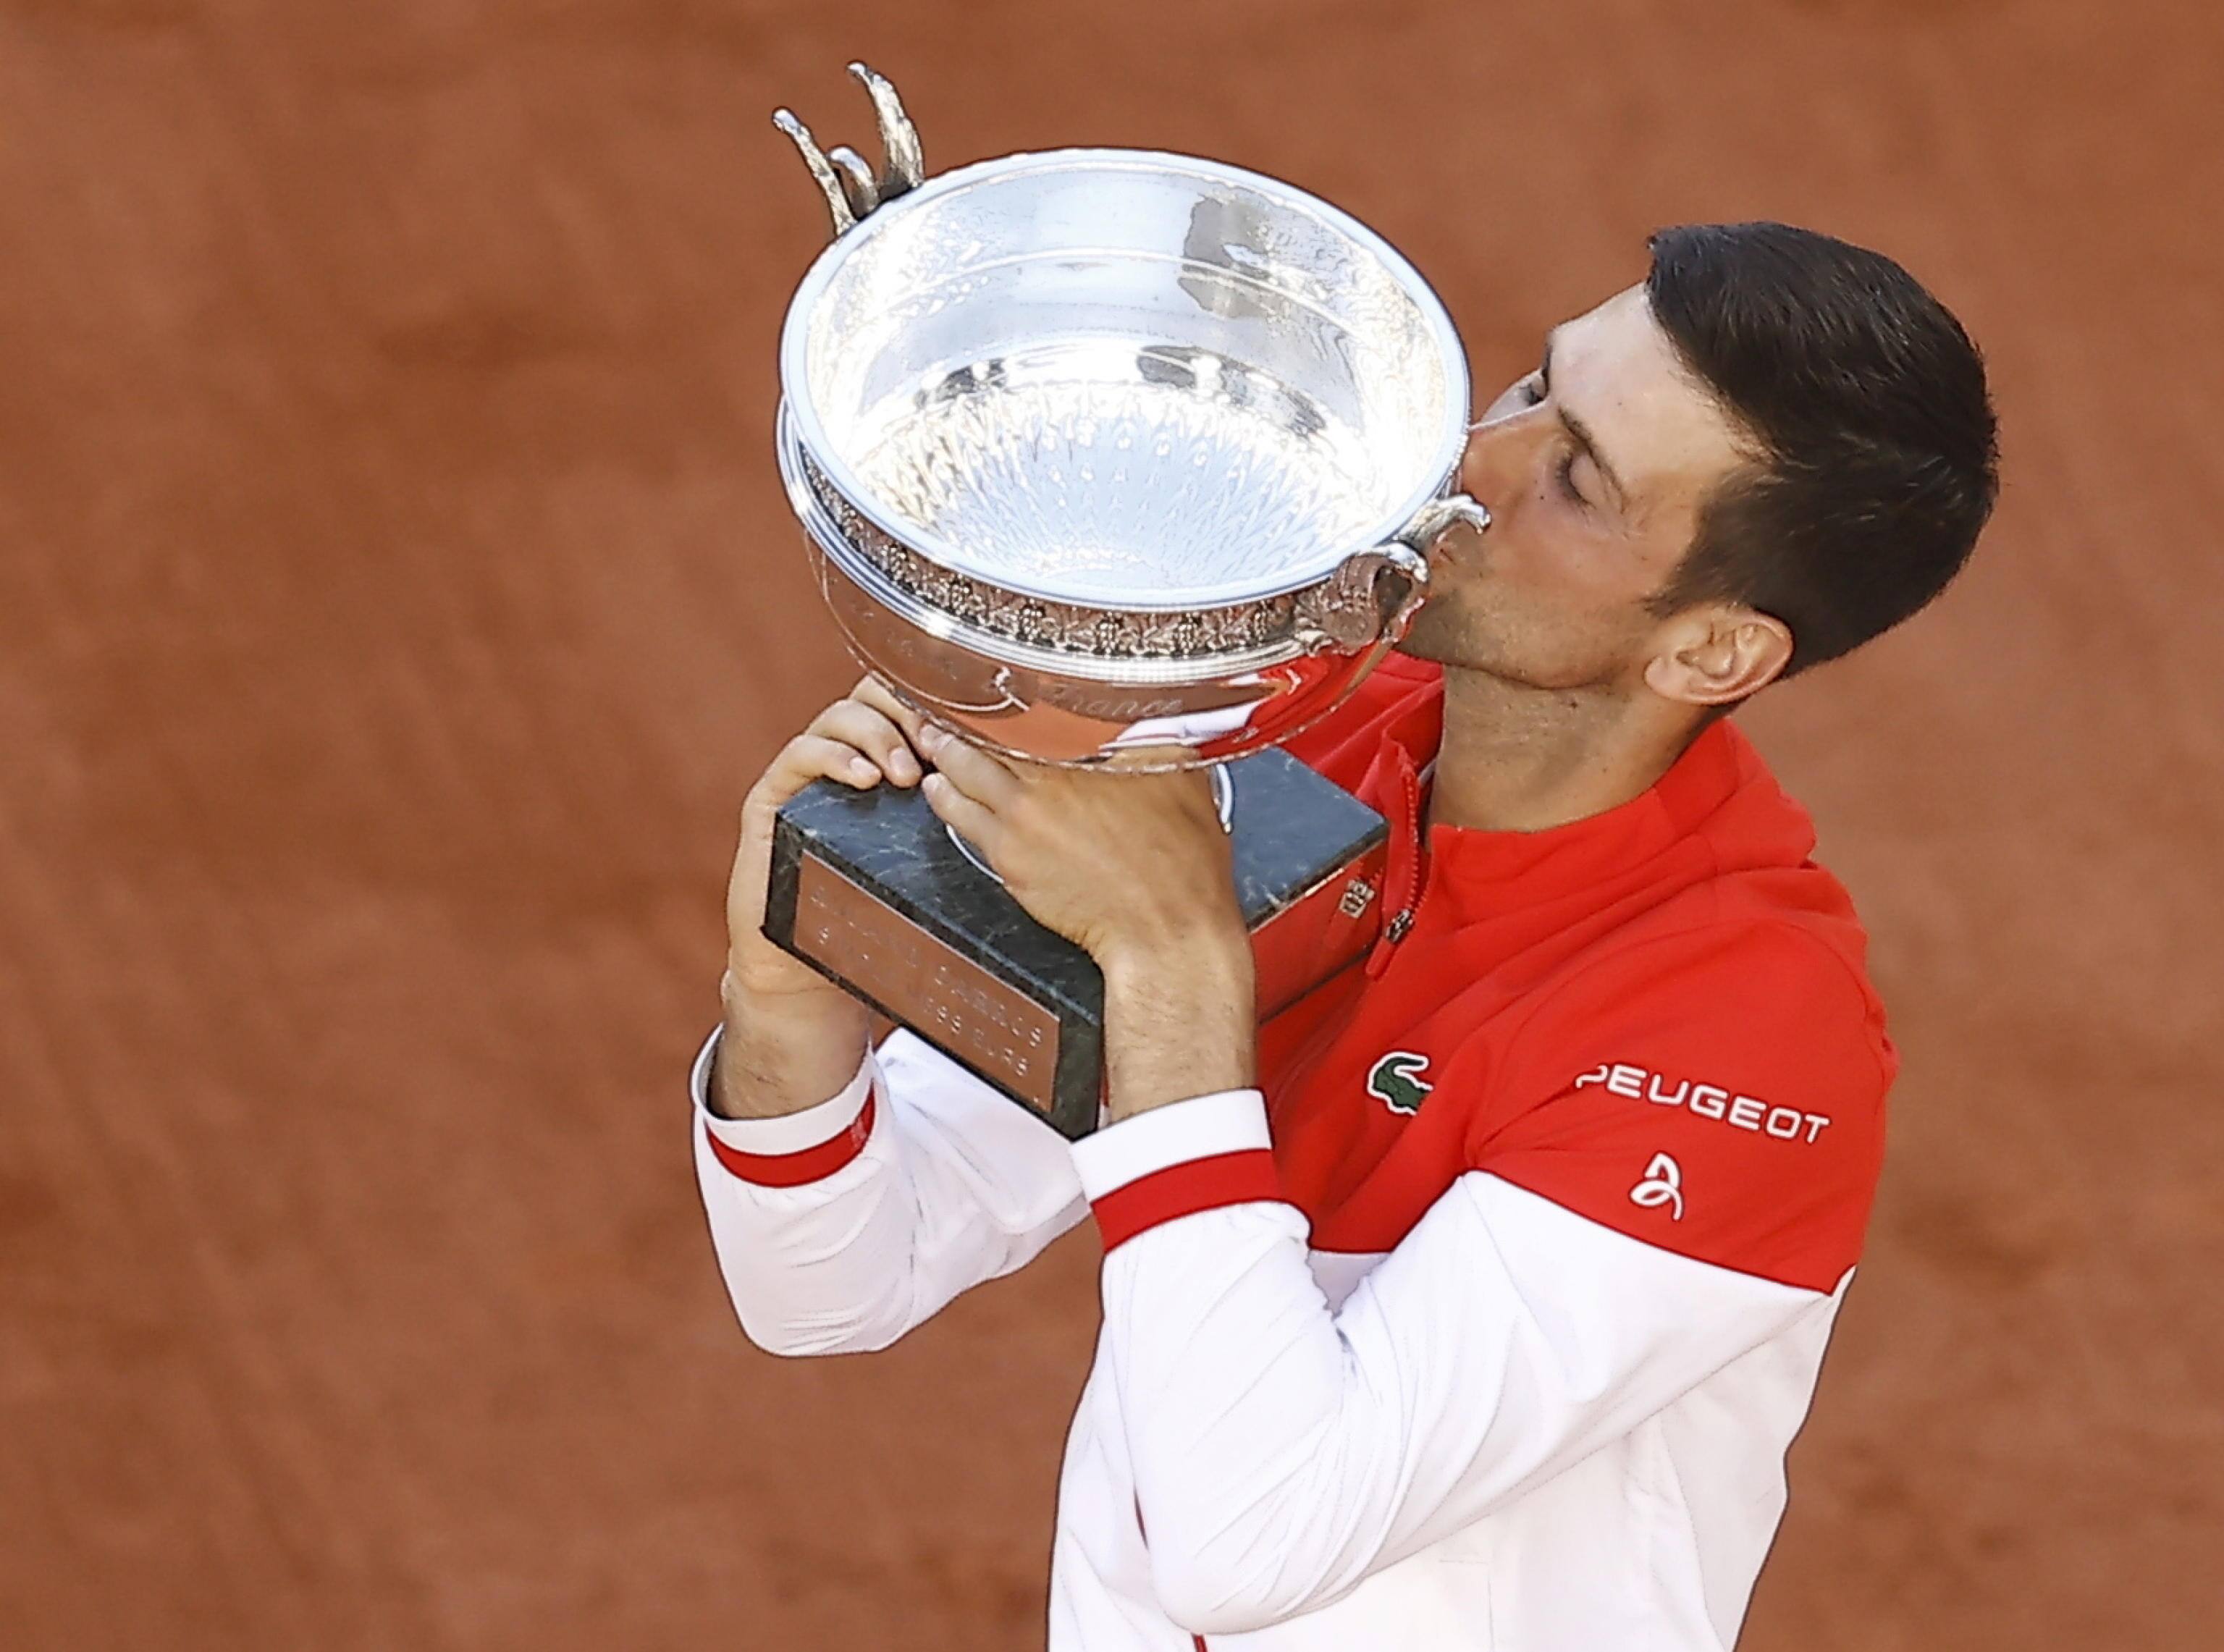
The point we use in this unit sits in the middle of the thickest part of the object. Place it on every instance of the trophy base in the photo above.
(870, 890)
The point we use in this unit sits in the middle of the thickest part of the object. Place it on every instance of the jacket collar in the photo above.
(1509, 868)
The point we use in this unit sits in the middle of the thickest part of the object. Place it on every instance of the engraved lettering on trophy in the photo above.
(1113, 707)
(924, 982)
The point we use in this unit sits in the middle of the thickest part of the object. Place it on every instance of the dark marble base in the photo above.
(868, 888)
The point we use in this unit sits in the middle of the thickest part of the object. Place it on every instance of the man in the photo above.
(1474, 1299)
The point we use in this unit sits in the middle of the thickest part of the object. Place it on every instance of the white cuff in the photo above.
(1232, 1121)
(791, 1132)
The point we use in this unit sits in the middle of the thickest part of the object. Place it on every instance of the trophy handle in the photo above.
(1437, 517)
(1431, 523)
(1371, 598)
(852, 191)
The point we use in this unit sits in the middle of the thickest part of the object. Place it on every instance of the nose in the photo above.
(1502, 456)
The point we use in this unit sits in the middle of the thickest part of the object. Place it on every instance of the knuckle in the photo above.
(870, 691)
(843, 714)
(868, 728)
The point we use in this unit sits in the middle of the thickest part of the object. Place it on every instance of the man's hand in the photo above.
(794, 1038)
(861, 739)
(1134, 869)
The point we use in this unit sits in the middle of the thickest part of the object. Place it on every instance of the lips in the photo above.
(1441, 552)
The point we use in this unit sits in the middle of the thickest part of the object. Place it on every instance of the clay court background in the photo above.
(397, 597)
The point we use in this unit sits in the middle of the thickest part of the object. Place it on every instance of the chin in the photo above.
(1433, 635)
(1445, 634)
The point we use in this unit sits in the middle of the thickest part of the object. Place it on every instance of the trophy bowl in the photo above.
(1101, 449)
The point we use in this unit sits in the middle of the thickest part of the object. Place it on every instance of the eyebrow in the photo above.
(1579, 433)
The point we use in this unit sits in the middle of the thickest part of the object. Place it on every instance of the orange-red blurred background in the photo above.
(397, 597)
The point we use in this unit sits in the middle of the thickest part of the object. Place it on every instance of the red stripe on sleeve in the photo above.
(795, 1170)
(1183, 1190)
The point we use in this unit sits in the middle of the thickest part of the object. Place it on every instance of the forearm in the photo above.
(841, 1226)
(785, 1050)
(1181, 1020)
(1284, 1451)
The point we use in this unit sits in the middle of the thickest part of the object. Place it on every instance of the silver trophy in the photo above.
(1098, 453)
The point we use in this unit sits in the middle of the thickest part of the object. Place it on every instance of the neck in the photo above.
(1519, 759)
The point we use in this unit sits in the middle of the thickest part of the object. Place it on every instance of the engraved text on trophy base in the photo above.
(925, 983)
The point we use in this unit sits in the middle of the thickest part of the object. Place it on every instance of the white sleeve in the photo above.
(1282, 1452)
(841, 1227)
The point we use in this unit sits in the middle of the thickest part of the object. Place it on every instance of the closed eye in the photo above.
(1534, 388)
(1539, 385)
(1565, 471)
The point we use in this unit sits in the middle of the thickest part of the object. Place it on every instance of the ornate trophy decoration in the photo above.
(1099, 452)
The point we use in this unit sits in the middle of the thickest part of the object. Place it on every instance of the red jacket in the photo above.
(1673, 977)
(1488, 1324)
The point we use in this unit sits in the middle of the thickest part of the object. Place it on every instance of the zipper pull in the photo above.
(1401, 872)
(1386, 944)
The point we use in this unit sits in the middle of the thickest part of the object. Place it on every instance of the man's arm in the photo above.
(1283, 1453)
(840, 1227)
(850, 1196)
(790, 1038)
(1627, 1232)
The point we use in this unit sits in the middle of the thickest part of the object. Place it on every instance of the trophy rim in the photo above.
(1285, 641)
(1437, 317)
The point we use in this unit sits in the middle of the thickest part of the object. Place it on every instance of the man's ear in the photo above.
(1716, 656)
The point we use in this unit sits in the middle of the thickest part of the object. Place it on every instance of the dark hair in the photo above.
(1876, 458)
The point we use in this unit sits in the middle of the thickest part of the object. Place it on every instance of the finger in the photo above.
(872, 734)
(975, 823)
(872, 691)
(817, 757)
(986, 780)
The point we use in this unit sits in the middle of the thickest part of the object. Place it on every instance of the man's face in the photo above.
(1595, 468)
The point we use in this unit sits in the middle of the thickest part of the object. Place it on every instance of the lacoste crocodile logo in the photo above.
(1397, 1083)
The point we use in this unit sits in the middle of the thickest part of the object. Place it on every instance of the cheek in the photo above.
(1543, 546)
(1523, 496)
(1534, 542)
(1555, 601)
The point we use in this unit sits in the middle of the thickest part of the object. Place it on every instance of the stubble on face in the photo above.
(1554, 597)
(1463, 628)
